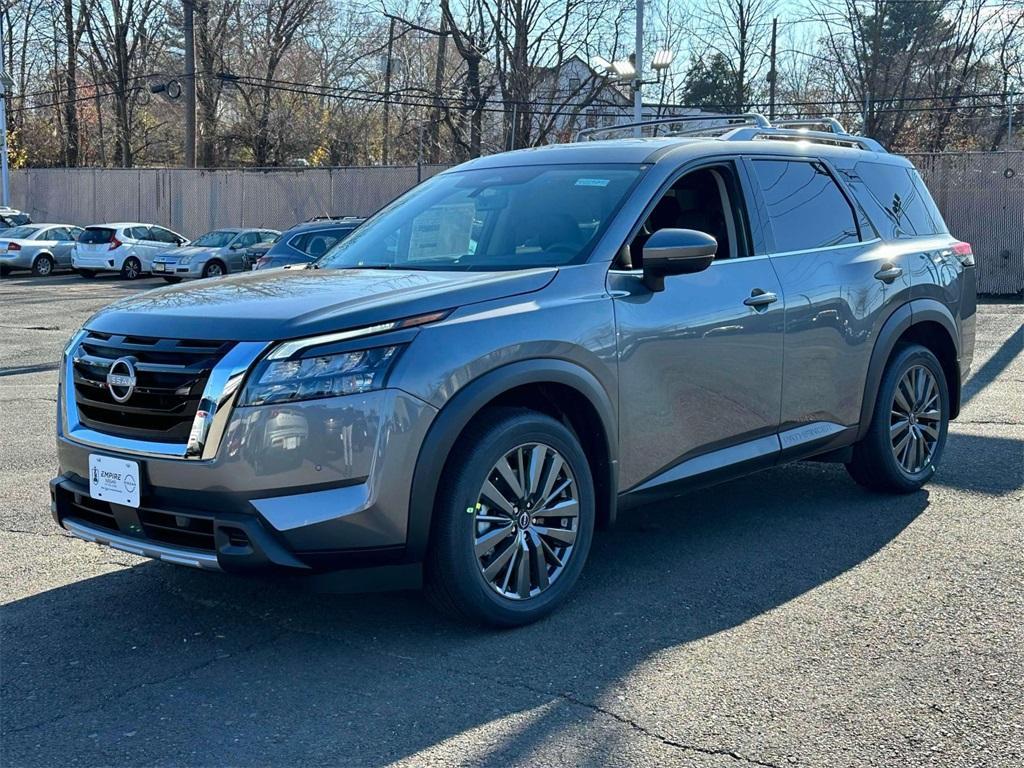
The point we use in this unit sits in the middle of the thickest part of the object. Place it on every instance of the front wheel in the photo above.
(513, 522)
(904, 442)
(131, 269)
(213, 269)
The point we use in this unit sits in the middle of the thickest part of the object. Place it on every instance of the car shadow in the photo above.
(157, 664)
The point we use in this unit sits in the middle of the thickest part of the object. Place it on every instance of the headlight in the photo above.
(309, 378)
(185, 260)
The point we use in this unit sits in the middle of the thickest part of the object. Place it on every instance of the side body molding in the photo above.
(467, 402)
(900, 321)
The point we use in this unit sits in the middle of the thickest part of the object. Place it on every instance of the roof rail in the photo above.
(747, 118)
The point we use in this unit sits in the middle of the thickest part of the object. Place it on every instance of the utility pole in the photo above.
(638, 64)
(386, 149)
(435, 117)
(773, 74)
(188, 6)
(5, 86)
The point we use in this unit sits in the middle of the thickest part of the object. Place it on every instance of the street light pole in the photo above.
(638, 98)
(5, 181)
(188, 6)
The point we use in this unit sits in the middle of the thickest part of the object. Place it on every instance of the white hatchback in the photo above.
(125, 247)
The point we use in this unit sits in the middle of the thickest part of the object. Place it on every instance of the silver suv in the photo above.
(498, 361)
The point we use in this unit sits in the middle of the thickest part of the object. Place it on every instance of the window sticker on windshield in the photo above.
(592, 182)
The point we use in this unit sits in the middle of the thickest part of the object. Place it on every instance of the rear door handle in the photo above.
(759, 298)
(888, 273)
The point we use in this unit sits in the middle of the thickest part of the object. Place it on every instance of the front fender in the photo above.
(469, 401)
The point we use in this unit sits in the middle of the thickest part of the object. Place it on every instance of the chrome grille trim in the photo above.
(208, 425)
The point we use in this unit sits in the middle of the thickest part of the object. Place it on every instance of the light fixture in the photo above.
(624, 69)
(600, 64)
(662, 60)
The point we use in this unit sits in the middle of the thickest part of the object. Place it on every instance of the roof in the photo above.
(327, 224)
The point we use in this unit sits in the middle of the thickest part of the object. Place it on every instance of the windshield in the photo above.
(217, 239)
(491, 219)
(23, 233)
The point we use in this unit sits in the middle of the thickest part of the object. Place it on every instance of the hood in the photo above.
(285, 304)
(188, 250)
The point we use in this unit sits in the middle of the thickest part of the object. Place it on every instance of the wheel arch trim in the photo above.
(905, 317)
(467, 402)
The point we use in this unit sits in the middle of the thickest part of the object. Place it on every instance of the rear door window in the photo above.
(317, 243)
(161, 235)
(806, 208)
(897, 200)
(138, 233)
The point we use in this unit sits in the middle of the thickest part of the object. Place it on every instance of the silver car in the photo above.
(41, 248)
(215, 253)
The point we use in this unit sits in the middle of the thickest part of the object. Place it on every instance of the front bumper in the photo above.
(306, 487)
(174, 269)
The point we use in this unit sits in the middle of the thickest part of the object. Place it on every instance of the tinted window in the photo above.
(317, 243)
(806, 207)
(161, 235)
(901, 207)
(96, 236)
(57, 233)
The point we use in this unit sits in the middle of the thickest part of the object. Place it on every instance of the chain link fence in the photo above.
(195, 201)
(981, 195)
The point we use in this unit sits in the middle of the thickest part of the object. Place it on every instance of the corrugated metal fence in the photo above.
(981, 194)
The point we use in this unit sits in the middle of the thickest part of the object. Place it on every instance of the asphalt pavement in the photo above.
(789, 618)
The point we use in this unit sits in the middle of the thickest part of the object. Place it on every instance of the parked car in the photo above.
(495, 363)
(307, 242)
(38, 247)
(125, 247)
(211, 255)
(11, 217)
(255, 252)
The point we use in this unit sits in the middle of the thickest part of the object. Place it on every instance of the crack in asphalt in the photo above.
(563, 695)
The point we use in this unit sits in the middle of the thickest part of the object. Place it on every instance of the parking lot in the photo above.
(789, 618)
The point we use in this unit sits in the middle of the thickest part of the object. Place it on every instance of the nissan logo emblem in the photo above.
(121, 379)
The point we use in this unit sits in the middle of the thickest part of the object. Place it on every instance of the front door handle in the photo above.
(759, 298)
(888, 273)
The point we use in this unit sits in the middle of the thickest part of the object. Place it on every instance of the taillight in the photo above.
(964, 253)
(114, 243)
(14, 246)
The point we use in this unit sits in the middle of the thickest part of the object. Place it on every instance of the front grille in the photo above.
(180, 529)
(170, 377)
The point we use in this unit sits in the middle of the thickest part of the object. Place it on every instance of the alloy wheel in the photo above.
(527, 520)
(915, 419)
(131, 269)
(44, 266)
(214, 270)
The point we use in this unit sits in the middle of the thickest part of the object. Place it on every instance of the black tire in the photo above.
(172, 280)
(214, 269)
(455, 582)
(42, 266)
(876, 464)
(4, 271)
(88, 274)
(131, 269)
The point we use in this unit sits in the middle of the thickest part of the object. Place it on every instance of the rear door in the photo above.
(62, 241)
(840, 281)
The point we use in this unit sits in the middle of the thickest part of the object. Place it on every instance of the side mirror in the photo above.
(676, 252)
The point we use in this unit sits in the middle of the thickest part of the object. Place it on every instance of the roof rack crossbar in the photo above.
(748, 118)
(831, 123)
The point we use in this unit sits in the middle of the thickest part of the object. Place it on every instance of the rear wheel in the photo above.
(513, 522)
(42, 266)
(88, 274)
(213, 269)
(904, 443)
(131, 269)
